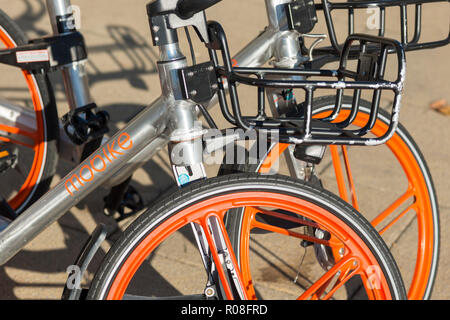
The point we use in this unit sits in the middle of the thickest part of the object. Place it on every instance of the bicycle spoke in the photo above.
(338, 172)
(338, 169)
(411, 207)
(349, 272)
(344, 269)
(320, 291)
(286, 217)
(4, 139)
(14, 130)
(395, 205)
(350, 177)
(19, 132)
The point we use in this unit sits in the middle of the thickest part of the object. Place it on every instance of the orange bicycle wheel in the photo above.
(35, 140)
(140, 262)
(404, 209)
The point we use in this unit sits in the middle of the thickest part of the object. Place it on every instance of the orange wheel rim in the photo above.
(417, 189)
(38, 137)
(356, 249)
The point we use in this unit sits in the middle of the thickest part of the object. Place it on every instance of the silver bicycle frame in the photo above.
(132, 146)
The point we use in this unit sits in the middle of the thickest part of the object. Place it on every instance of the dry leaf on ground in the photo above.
(441, 106)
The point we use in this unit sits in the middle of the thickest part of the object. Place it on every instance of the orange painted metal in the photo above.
(417, 188)
(38, 137)
(199, 212)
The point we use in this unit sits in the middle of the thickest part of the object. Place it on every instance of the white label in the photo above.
(185, 176)
(32, 56)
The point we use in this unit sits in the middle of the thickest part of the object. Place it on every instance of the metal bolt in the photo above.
(320, 234)
(155, 28)
(156, 39)
(214, 86)
(193, 92)
(209, 292)
(341, 251)
(302, 174)
(190, 74)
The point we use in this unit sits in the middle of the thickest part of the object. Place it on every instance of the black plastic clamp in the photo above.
(46, 54)
(199, 82)
(302, 15)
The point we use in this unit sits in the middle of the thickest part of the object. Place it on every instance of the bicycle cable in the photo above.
(191, 47)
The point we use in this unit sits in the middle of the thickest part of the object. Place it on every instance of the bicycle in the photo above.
(238, 60)
(178, 116)
(302, 160)
(146, 234)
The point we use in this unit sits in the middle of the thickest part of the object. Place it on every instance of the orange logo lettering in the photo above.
(99, 163)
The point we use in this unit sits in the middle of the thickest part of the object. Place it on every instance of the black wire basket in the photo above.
(410, 43)
(367, 76)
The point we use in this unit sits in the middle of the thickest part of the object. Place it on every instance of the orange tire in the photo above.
(127, 269)
(418, 199)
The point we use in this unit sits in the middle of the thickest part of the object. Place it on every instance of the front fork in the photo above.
(186, 154)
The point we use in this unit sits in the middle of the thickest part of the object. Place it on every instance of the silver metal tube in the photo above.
(258, 51)
(145, 132)
(255, 54)
(276, 14)
(75, 78)
(169, 52)
(142, 156)
(74, 75)
(76, 85)
(186, 147)
(136, 162)
(78, 95)
(57, 8)
(81, 181)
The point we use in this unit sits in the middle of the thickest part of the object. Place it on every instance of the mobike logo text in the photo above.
(99, 163)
